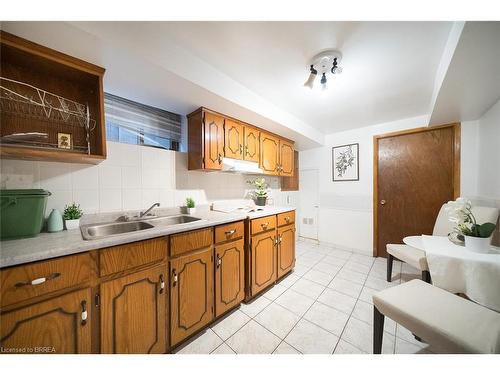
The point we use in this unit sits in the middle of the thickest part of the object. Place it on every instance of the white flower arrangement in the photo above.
(460, 213)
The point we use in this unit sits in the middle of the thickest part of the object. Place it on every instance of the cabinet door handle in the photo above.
(230, 232)
(246, 150)
(84, 313)
(174, 276)
(38, 281)
(280, 238)
(162, 284)
(275, 241)
(241, 149)
(218, 261)
(219, 158)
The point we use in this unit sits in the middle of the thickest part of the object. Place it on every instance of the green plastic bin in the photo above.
(22, 212)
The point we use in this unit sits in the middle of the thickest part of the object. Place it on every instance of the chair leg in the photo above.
(426, 276)
(378, 330)
(390, 259)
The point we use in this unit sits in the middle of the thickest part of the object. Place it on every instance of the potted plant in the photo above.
(260, 193)
(72, 214)
(477, 236)
(190, 204)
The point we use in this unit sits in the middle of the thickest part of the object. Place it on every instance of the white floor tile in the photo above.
(253, 339)
(337, 300)
(328, 268)
(311, 339)
(366, 294)
(223, 349)
(318, 277)
(342, 254)
(334, 260)
(364, 259)
(353, 276)
(327, 317)
(277, 319)
(360, 334)
(406, 335)
(379, 284)
(274, 292)
(344, 347)
(358, 267)
(203, 344)
(295, 302)
(308, 288)
(345, 286)
(404, 347)
(300, 270)
(364, 311)
(230, 324)
(255, 306)
(289, 280)
(285, 348)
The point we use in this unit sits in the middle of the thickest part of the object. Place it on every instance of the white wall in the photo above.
(131, 178)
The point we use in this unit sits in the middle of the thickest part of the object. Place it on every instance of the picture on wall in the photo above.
(345, 162)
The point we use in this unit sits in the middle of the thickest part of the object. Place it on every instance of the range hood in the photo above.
(241, 166)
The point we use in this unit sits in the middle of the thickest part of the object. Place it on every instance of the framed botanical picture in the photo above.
(345, 162)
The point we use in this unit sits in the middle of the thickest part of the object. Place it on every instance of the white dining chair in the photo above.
(442, 227)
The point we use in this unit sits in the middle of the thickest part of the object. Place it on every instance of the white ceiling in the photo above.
(389, 67)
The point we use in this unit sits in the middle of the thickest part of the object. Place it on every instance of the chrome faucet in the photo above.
(142, 214)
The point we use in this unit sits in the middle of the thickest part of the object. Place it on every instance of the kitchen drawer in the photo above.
(229, 232)
(23, 282)
(123, 257)
(286, 218)
(263, 224)
(188, 241)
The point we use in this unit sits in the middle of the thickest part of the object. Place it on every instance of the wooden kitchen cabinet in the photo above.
(229, 276)
(191, 294)
(214, 141)
(263, 259)
(233, 139)
(269, 153)
(286, 249)
(251, 144)
(59, 325)
(134, 313)
(286, 163)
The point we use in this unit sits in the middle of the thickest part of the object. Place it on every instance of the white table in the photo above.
(458, 270)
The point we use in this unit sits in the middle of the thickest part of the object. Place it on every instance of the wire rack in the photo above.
(24, 100)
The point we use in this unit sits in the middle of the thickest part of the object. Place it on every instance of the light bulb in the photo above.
(323, 82)
(310, 81)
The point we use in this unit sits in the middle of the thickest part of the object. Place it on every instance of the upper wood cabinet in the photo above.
(54, 94)
(133, 313)
(60, 325)
(234, 138)
(251, 146)
(269, 153)
(214, 141)
(286, 164)
(292, 183)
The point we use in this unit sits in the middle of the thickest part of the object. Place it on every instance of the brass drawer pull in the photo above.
(287, 219)
(230, 232)
(264, 225)
(84, 313)
(175, 277)
(38, 281)
(218, 261)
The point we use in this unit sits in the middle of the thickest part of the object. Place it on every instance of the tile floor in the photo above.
(323, 307)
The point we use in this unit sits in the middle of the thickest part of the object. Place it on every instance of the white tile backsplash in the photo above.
(132, 177)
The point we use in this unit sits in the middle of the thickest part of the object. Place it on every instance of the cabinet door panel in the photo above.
(133, 313)
(214, 141)
(56, 325)
(191, 296)
(229, 276)
(286, 249)
(233, 139)
(286, 159)
(269, 153)
(252, 144)
(263, 261)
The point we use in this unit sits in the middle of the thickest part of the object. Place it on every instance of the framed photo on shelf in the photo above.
(345, 162)
(64, 140)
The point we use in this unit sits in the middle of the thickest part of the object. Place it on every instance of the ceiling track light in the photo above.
(324, 62)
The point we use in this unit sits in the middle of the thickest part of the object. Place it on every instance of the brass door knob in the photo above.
(382, 202)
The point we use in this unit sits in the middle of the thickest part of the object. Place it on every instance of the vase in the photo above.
(191, 211)
(261, 201)
(72, 224)
(478, 244)
(55, 221)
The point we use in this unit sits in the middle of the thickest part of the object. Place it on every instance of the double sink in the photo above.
(103, 230)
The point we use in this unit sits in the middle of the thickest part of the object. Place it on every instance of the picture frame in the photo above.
(64, 141)
(345, 162)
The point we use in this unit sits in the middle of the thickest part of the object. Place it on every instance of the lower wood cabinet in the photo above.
(191, 294)
(133, 313)
(263, 258)
(58, 325)
(229, 276)
(286, 249)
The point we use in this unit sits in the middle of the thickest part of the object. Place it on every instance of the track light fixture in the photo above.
(324, 62)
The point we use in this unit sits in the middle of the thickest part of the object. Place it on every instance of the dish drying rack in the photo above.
(24, 100)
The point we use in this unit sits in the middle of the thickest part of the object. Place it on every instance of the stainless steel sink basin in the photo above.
(91, 232)
(173, 220)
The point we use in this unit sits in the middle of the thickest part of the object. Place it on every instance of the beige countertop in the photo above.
(53, 245)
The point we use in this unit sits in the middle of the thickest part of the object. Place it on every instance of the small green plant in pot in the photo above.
(259, 195)
(72, 214)
(190, 204)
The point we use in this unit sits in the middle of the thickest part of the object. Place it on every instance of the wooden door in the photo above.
(263, 261)
(286, 249)
(286, 159)
(213, 141)
(229, 276)
(191, 297)
(269, 153)
(133, 313)
(251, 144)
(233, 138)
(58, 325)
(415, 173)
